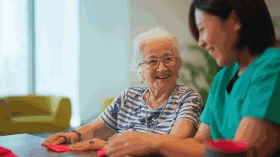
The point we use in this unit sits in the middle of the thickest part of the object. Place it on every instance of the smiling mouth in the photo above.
(210, 51)
(162, 77)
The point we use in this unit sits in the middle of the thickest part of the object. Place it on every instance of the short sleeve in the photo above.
(110, 115)
(191, 109)
(262, 99)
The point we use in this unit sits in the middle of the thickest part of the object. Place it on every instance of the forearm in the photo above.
(169, 146)
(137, 144)
(167, 136)
(95, 129)
(176, 146)
(87, 132)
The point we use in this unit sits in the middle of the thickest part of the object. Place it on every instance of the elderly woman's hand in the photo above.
(132, 143)
(93, 144)
(59, 139)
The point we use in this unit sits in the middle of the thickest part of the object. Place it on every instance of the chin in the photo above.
(224, 62)
(221, 64)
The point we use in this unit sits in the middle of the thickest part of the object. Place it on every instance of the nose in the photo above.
(161, 66)
(201, 43)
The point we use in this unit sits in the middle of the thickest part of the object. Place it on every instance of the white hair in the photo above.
(145, 38)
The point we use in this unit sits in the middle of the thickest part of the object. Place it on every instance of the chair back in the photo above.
(106, 103)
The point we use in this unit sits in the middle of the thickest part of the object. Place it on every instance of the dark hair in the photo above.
(257, 30)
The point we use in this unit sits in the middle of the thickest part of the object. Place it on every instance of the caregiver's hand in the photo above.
(93, 144)
(132, 143)
(60, 138)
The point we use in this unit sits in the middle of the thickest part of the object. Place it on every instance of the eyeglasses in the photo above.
(153, 63)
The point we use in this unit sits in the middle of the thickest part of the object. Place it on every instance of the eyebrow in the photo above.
(152, 56)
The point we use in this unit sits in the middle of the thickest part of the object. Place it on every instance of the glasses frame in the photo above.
(158, 61)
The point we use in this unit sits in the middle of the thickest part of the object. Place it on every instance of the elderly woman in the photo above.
(163, 107)
(243, 101)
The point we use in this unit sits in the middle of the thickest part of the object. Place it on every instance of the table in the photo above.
(30, 146)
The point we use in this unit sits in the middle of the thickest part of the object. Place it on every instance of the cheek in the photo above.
(216, 37)
(230, 40)
(149, 75)
(210, 33)
(174, 71)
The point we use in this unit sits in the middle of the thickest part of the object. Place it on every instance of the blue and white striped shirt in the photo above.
(127, 111)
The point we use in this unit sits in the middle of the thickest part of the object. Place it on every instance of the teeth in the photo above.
(162, 76)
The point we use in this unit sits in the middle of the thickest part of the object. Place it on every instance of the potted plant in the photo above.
(199, 72)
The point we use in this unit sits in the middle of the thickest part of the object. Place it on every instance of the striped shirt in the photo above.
(127, 111)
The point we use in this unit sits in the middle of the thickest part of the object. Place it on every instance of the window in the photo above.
(14, 47)
(55, 45)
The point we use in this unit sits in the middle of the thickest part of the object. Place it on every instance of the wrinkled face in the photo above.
(163, 76)
(218, 38)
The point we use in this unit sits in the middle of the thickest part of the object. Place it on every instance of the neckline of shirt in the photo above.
(159, 107)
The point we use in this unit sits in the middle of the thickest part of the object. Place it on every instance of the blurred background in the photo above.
(82, 49)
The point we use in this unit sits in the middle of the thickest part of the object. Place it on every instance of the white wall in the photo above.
(104, 49)
(56, 51)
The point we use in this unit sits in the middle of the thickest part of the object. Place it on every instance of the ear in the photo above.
(237, 26)
(234, 19)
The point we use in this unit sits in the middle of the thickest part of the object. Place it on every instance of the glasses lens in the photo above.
(153, 63)
(168, 61)
(150, 64)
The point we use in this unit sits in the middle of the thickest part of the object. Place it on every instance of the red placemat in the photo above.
(59, 148)
(228, 146)
(101, 152)
(4, 152)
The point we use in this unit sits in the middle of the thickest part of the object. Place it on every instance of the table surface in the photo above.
(30, 145)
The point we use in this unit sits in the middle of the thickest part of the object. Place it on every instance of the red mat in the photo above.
(228, 146)
(4, 152)
(59, 148)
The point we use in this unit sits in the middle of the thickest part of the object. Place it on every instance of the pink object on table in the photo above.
(101, 152)
(228, 146)
(4, 152)
(59, 148)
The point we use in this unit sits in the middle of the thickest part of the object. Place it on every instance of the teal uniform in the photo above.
(256, 93)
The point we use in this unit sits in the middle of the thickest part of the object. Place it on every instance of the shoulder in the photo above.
(270, 55)
(184, 92)
(271, 52)
(135, 92)
(132, 92)
(268, 61)
(183, 89)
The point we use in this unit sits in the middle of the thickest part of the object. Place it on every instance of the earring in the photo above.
(142, 81)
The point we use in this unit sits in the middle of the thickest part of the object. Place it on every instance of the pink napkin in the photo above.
(101, 152)
(4, 152)
(59, 148)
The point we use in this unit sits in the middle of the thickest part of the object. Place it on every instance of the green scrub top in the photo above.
(255, 93)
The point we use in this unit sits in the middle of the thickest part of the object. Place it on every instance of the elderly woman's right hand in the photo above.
(60, 138)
